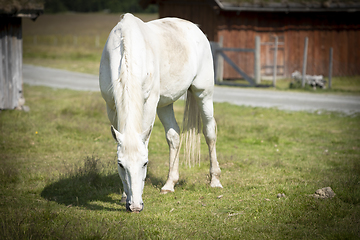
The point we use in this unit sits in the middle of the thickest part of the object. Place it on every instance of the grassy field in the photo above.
(58, 177)
(59, 181)
(69, 41)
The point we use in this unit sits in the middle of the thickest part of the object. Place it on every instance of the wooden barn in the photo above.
(11, 13)
(327, 24)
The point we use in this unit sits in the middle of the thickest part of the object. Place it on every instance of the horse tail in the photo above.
(191, 130)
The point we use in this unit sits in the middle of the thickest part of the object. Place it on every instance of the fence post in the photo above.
(214, 47)
(304, 62)
(275, 61)
(220, 63)
(257, 66)
(330, 66)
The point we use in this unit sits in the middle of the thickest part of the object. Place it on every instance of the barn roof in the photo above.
(21, 8)
(275, 5)
(290, 5)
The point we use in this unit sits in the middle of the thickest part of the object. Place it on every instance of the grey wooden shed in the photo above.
(11, 14)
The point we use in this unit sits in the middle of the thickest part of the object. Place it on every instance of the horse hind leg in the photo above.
(172, 133)
(205, 104)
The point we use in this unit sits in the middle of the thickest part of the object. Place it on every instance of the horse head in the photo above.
(132, 158)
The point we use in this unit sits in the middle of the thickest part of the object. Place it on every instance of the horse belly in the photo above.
(178, 54)
(176, 77)
(170, 95)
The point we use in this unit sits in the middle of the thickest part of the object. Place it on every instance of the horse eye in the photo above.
(121, 165)
(145, 164)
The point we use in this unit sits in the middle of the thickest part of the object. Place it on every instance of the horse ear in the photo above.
(146, 135)
(116, 135)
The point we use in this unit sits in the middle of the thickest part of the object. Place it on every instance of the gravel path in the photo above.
(240, 96)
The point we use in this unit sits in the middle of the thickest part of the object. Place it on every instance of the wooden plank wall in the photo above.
(11, 62)
(341, 31)
(196, 11)
(238, 32)
(338, 30)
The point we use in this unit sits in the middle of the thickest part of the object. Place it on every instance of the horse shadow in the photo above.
(91, 190)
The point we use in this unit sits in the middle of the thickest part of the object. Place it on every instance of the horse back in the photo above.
(183, 52)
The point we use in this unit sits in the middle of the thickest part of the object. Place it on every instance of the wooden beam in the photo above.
(330, 66)
(275, 61)
(238, 49)
(257, 60)
(304, 62)
(237, 69)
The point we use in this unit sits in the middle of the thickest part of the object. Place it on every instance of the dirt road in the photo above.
(240, 96)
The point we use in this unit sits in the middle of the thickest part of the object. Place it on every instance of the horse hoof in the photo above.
(163, 191)
(215, 183)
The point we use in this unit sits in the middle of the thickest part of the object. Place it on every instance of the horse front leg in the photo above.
(172, 133)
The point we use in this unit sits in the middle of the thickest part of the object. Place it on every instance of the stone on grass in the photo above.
(324, 193)
(280, 195)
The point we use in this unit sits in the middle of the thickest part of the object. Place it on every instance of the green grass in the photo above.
(348, 85)
(71, 58)
(69, 41)
(340, 84)
(58, 177)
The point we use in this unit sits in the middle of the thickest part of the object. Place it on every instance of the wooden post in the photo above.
(11, 63)
(330, 66)
(214, 47)
(304, 62)
(220, 63)
(275, 61)
(257, 66)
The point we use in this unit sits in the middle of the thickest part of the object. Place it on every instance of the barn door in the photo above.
(267, 58)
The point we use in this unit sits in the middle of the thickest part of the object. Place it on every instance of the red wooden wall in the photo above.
(339, 30)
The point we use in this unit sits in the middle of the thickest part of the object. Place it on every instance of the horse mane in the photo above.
(127, 89)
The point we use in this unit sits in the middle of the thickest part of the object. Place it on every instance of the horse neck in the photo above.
(128, 98)
(128, 93)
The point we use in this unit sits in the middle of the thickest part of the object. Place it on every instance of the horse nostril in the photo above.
(128, 207)
(134, 209)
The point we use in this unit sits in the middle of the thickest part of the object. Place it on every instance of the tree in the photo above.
(115, 6)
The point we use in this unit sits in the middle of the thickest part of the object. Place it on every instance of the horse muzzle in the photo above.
(134, 207)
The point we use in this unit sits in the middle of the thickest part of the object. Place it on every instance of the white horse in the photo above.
(144, 69)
